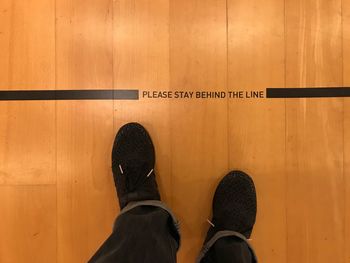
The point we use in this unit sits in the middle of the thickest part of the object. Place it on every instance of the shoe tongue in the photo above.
(133, 167)
(135, 172)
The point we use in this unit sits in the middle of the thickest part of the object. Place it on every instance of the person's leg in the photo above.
(234, 213)
(146, 230)
(143, 234)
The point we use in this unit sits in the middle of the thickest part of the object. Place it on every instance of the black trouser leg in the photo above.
(143, 234)
(229, 250)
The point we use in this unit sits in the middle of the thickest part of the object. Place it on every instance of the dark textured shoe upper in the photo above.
(133, 160)
(234, 204)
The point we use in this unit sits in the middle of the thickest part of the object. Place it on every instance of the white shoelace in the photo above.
(122, 172)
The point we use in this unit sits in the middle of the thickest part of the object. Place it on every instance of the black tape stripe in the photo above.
(69, 94)
(329, 92)
(134, 94)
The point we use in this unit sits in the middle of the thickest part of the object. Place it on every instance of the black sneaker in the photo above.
(133, 160)
(234, 210)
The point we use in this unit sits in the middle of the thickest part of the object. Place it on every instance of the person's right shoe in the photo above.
(234, 210)
(234, 204)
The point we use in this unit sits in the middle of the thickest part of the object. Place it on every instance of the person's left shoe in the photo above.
(133, 160)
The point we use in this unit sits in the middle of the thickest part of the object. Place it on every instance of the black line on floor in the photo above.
(109, 94)
(328, 92)
(101, 94)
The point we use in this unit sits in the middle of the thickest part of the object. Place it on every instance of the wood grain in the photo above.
(198, 127)
(86, 197)
(28, 223)
(315, 191)
(27, 44)
(27, 61)
(346, 82)
(257, 126)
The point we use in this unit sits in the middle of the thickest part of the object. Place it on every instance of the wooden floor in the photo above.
(57, 199)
